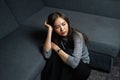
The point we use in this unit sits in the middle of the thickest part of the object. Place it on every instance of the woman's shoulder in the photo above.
(78, 35)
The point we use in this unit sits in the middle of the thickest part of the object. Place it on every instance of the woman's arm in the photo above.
(74, 60)
(47, 44)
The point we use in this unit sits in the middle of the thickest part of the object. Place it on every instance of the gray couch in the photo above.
(22, 33)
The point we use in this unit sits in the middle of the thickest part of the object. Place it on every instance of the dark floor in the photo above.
(113, 75)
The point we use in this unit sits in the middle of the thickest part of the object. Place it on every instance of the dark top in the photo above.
(80, 51)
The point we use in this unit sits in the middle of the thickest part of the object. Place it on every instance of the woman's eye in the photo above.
(56, 27)
(63, 24)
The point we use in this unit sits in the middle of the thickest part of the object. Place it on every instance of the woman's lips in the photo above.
(64, 33)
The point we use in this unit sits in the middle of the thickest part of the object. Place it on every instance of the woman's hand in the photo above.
(63, 55)
(48, 26)
(54, 46)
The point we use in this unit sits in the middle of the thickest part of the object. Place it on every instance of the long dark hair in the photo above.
(55, 37)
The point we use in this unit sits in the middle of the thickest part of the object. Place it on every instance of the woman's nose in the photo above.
(62, 28)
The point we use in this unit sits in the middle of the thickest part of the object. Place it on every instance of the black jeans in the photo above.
(82, 71)
(56, 69)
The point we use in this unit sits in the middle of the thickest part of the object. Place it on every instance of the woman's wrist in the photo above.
(58, 50)
(55, 47)
(50, 29)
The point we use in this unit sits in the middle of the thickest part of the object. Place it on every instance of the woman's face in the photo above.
(61, 27)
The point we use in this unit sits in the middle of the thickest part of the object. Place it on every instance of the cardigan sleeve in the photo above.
(47, 54)
(74, 59)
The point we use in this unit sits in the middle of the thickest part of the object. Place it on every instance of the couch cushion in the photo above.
(103, 32)
(100, 62)
(108, 8)
(20, 57)
(7, 20)
(22, 9)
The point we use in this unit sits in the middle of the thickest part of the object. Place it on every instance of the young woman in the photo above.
(65, 51)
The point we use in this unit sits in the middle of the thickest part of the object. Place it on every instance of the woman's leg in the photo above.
(66, 73)
(82, 72)
(52, 69)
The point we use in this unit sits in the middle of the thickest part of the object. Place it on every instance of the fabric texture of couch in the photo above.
(22, 33)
